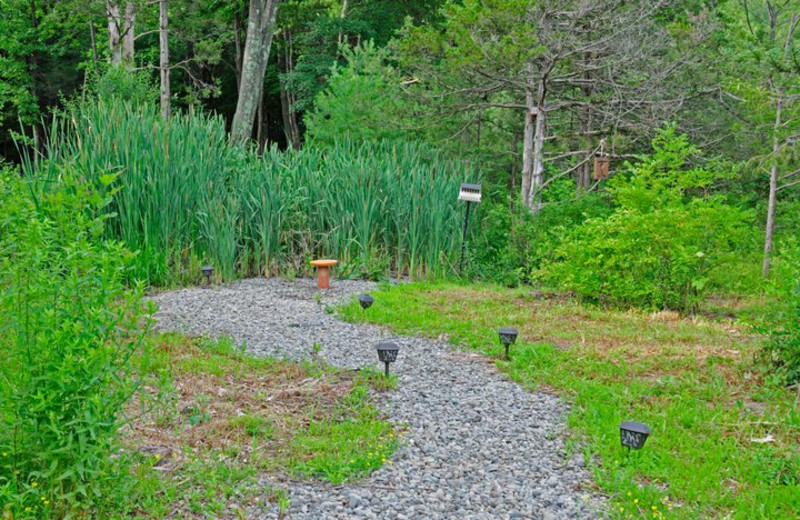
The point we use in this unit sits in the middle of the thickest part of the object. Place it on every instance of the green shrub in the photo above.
(661, 244)
(781, 351)
(68, 330)
(362, 100)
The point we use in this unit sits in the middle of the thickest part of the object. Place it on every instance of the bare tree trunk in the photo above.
(533, 144)
(537, 175)
(129, 36)
(773, 189)
(286, 64)
(342, 15)
(237, 38)
(527, 141)
(114, 32)
(260, 27)
(512, 179)
(163, 38)
(94, 47)
(260, 125)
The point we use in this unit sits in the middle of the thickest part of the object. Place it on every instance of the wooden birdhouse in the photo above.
(601, 163)
(601, 167)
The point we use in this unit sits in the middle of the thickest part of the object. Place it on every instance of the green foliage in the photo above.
(362, 100)
(68, 332)
(118, 84)
(511, 246)
(659, 246)
(781, 351)
(187, 196)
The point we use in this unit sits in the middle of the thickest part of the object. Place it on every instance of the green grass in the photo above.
(690, 378)
(224, 420)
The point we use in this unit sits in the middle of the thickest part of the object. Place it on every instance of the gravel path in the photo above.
(478, 445)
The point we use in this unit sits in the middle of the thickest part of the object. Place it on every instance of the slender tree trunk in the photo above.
(260, 27)
(342, 15)
(773, 189)
(533, 141)
(93, 39)
(260, 125)
(512, 179)
(32, 62)
(527, 140)
(163, 38)
(129, 37)
(285, 65)
(237, 38)
(114, 32)
(537, 176)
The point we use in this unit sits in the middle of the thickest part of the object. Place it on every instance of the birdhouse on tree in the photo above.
(601, 163)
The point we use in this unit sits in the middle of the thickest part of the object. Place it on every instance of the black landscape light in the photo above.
(365, 300)
(508, 337)
(633, 434)
(207, 272)
(387, 352)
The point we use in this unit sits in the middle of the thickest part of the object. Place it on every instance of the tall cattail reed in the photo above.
(185, 195)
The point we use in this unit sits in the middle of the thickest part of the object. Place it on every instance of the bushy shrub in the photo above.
(362, 100)
(68, 330)
(659, 246)
(781, 351)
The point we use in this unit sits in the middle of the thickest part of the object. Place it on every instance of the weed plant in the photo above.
(69, 329)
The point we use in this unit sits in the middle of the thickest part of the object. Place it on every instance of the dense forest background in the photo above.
(565, 109)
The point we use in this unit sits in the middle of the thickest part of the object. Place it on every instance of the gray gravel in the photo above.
(478, 446)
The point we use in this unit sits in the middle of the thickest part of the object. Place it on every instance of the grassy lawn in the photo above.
(723, 444)
(212, 423)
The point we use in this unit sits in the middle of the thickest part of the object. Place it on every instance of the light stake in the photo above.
(508, 337)
(365, 300)
(633, 434)
(207, 272)
(387, 352)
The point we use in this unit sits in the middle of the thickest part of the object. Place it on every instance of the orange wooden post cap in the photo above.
(323, 278)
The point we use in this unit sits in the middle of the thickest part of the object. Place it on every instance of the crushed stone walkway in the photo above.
(478, 445)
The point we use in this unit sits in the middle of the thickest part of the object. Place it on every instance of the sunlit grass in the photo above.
(723, 444)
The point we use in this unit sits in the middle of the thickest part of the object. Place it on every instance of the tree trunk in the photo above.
(537, 175)
(527, 148)
(290, 125)
(114, 32)
(163, 38)
(512, 178)
(260, 27)
(533, 143)
(260, 125)
(129, 36)
(773, 190)
(93, 40)
(237, 38)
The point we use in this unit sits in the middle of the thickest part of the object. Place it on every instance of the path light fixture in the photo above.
(633, 434)
(365, 300)
(508, 337)
(207, 271)
(471, 194)
(387, 352)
